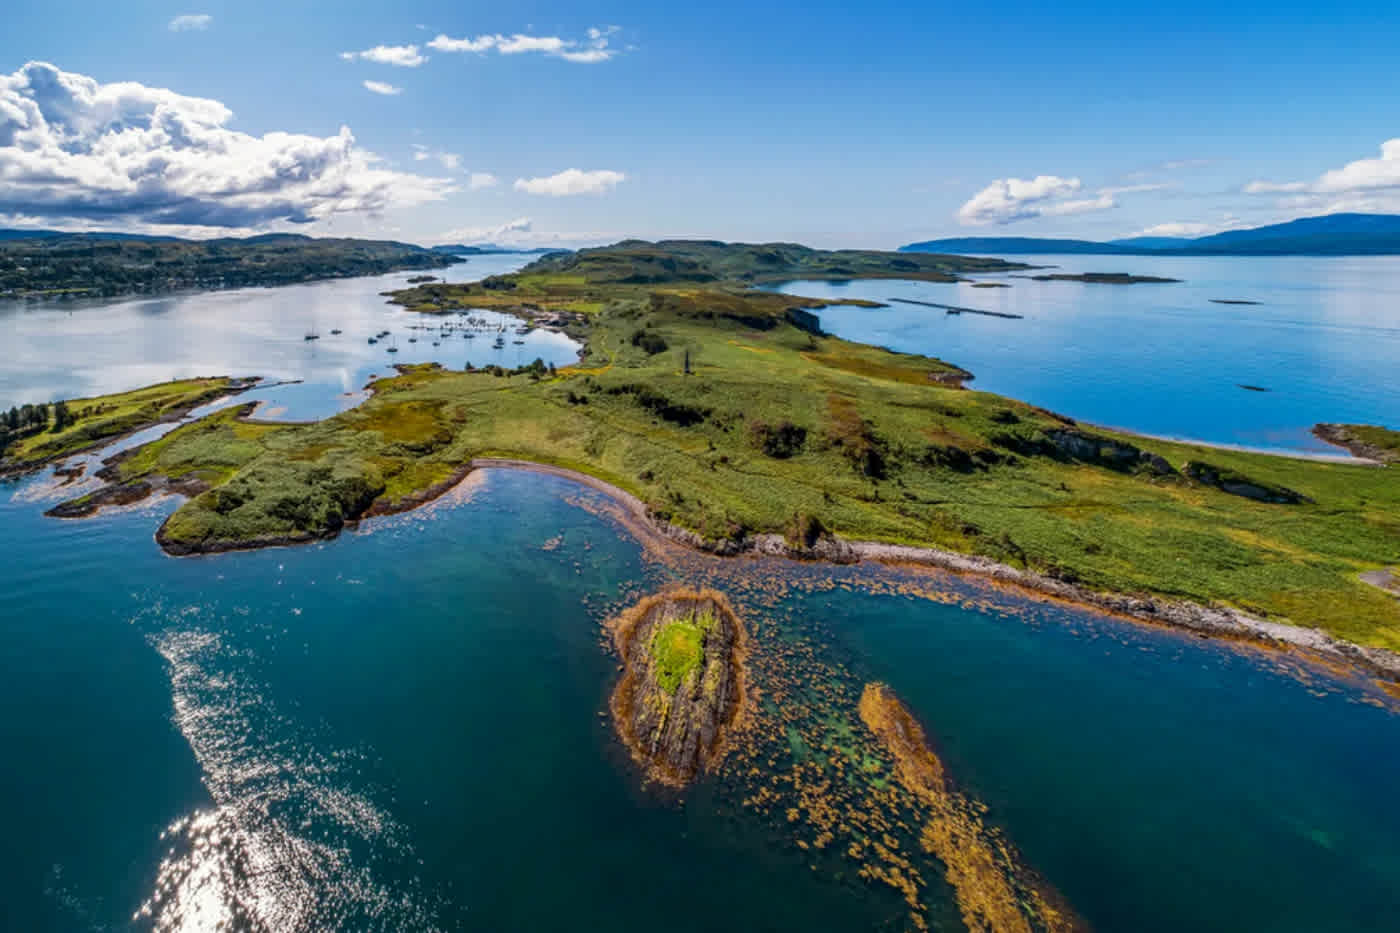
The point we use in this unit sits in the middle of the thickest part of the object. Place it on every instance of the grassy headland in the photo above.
(39, 434)
(730, 414)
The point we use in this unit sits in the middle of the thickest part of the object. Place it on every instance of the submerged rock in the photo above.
(682, 692)
(996, 892)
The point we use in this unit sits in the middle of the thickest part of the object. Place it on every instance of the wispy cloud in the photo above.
(1192, 229)
(571, 182)
(448, 160)
(521, 232)
(188, 22)
(476, 181)
(73, 149)
(380, 87)
(511, 231)
(400, 56)
(597, 47)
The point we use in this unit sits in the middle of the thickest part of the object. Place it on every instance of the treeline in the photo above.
(79, 266)
(26, 420)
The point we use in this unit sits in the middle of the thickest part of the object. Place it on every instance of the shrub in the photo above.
(779, 441)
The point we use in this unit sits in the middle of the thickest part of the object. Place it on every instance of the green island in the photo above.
(736, 424)
(95, 265)
(683, 693)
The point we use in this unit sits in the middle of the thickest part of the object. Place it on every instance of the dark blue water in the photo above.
(402, 729)
(1163, 359)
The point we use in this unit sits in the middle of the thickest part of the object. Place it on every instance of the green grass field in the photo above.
(779, 429)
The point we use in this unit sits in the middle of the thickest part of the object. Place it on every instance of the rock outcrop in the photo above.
(682, 693)
(1236, 484)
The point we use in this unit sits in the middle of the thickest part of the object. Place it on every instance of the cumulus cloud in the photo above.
(187, 22)
(380, 87)
(597, 47)
(570, 182)
(76, 150)
(1008, 200)
(1362, 185)
(400, 56)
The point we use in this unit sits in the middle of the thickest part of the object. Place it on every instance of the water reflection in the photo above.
(94, 347)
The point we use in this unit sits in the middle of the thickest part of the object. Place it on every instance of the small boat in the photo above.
(393, 349)
(373, 341)
(412, 339)
(335, 330)
(517, 341)
(312, 337)
(468, 336)
(500, 342)
(436, 344)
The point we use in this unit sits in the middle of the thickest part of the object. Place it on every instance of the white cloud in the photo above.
(448, 160)
(443, 43)
(1362, 185)
(1270, 187)
(592, 50)
(512, 231)
(187, 22)
(570, 182)
(75, 150)
(400, 56)
(1008, 200)
(478, 180)
(521, 232)
(379, 87)
(1182, 229)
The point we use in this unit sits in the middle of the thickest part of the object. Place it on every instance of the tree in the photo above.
(62, 417)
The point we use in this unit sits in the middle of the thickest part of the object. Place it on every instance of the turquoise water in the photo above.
(404, 728)
(1324, 340)
(390, 731)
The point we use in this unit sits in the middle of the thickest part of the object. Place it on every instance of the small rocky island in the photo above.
(682, 692)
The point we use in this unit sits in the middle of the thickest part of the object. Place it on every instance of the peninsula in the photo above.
(737, 424)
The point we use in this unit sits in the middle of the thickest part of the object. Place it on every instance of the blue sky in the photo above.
(860, 124)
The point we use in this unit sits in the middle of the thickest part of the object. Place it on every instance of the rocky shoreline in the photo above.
(1207, 621)
(1339, 435)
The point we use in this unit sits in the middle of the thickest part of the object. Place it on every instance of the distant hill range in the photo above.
(1332, 235)
(50, 264)
(490, 249)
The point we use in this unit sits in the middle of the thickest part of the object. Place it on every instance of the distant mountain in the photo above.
(20, 234)
(489, 249)
(1330, 235)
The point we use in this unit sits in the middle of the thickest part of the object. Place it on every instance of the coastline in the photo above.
(1206, 621)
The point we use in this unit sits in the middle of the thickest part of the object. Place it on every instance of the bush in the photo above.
(779, 441)
(650, 341)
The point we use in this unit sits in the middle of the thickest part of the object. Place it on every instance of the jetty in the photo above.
(954, 309)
